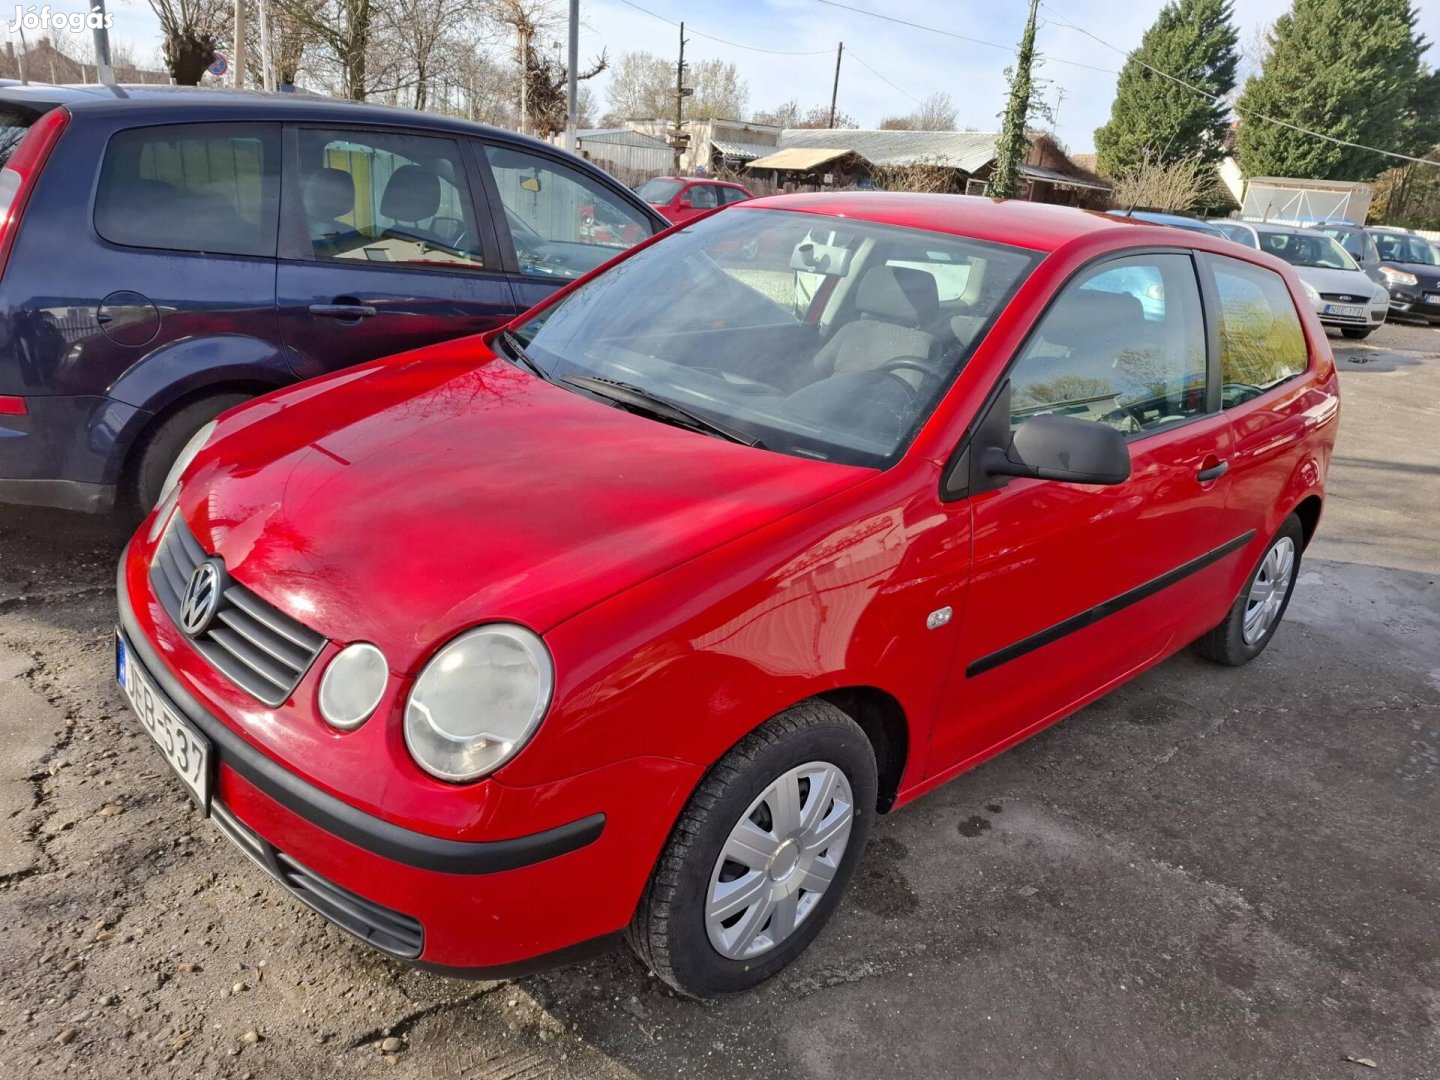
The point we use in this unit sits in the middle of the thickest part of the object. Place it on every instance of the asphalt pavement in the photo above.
(1210, 873)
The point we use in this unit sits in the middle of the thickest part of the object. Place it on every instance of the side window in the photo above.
(1371, 253)
(1123, 345)
(562, 222)
(1261, 341)
(702, 196)
(387, 197)
(731, 195)
(211, 188)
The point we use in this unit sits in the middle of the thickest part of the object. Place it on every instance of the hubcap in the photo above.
(778, 860)
(1267, 592)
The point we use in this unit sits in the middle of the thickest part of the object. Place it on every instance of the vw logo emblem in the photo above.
(201, 599)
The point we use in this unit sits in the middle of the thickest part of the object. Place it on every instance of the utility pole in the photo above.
(104, 73)
(835, 90)
(572, 101)
(1014, 144)
(524, 31)
(239, 59)
(678, 139)
(1059, 100)
(267, 74)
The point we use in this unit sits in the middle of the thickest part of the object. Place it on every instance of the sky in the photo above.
(887, 67)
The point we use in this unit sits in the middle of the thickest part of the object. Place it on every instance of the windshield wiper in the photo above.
(515, 350)
(641, 400)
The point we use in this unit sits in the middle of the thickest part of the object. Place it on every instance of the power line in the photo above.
(1062, 21)
(724, 41)
(856, 56)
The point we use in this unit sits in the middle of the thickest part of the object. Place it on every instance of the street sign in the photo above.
(219, 66)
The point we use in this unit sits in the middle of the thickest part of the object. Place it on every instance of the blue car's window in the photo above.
(212, 188)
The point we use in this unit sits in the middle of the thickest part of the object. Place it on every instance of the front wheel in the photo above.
(1257, 611)
(761, 855)
(164, 445)
(1354, 332)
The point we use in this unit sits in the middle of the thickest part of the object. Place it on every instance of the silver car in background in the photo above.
(1341, 293)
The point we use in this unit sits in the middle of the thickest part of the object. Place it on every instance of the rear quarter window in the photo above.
(1261, 341)
(15, 121)
(211, 188)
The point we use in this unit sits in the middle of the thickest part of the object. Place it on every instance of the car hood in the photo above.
(1345, 282)
(402, 502)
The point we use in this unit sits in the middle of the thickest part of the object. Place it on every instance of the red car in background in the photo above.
(629, 618)
(680, 198)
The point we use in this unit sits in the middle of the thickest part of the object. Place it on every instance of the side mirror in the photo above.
(1061, 448)
(684, 204)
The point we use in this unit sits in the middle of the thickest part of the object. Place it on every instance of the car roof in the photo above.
(1034, 226)
(187, 103)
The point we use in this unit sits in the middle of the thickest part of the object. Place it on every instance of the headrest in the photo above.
(413, 194)
(899, 294)
(329, 194)
(1091, 316)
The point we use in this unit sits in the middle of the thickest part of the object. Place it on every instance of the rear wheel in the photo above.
(1257, 611)
(1355, 332)
(165, 443)
(761, 855)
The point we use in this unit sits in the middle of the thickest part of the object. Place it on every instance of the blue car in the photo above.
(1175, 221)
(166, 253)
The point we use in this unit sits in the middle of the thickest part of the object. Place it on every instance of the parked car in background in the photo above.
(1410, 267)
(1341, 293)
(1175, 221)
(169, 252)
(680, 198)
(629, 618)
(1360, 246)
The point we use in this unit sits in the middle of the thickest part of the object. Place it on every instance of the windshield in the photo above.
(1239, 233)
(1308, 249)
(659, 191)
(1397, 247)
(815, 336)
(1349, 239)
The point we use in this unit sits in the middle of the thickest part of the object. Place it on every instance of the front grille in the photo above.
(254, 644)
(389, 931)
(1346, 298)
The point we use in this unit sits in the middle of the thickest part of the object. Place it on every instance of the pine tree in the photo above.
(1014, 144)
(1350, 69)
(1154, 117)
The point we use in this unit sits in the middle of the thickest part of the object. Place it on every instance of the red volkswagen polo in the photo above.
(629, 619)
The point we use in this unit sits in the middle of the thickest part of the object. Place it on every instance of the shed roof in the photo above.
(964, 150)
(798, 158)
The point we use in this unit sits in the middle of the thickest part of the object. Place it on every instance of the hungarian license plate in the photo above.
(187, 751)
(1432, 298)
(1344, 310)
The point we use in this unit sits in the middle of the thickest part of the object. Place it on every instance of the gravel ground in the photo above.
(1210, 873)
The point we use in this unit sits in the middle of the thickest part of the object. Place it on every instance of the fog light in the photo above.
(352, 685)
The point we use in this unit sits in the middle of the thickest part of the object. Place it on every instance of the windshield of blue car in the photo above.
(816, 336)
(1397, 247)
(1308, 249)
(659, 191)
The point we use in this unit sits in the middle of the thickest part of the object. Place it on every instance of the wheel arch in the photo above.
(1308, 511)
(882, 718)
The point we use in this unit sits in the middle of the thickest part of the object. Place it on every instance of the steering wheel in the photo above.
(909, 363)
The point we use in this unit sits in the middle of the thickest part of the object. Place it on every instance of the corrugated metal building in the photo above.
(630, 155)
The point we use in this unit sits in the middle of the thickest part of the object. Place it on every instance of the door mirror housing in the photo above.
(684, 204)
(1063, 449)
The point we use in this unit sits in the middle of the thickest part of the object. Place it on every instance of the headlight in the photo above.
(1310, 292)
(1398, 277)
(478, 701)
(184, 458)
(352, 685)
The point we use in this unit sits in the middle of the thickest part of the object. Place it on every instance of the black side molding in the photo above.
(338, 818)
(1109, 607)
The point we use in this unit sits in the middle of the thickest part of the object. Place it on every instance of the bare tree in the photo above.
(342, 31)
(924, 176)
(1155, 185)
(642, 86)
(290, 41)
(936, 113)
(790, 115)
(191, 31)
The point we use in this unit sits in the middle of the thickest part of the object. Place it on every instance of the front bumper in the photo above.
(1373, 317)
(1410, 302)
(479, 908)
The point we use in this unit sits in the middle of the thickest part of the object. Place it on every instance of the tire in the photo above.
(670, 930)
(164, 444)
(1227, 643)
(1354, 332)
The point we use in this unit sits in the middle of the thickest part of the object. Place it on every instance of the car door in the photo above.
(1263, 355)
(558, 221)
(1075, 587)
(386, 245)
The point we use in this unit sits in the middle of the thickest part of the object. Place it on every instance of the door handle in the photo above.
(1214, 472)
(343, 311)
